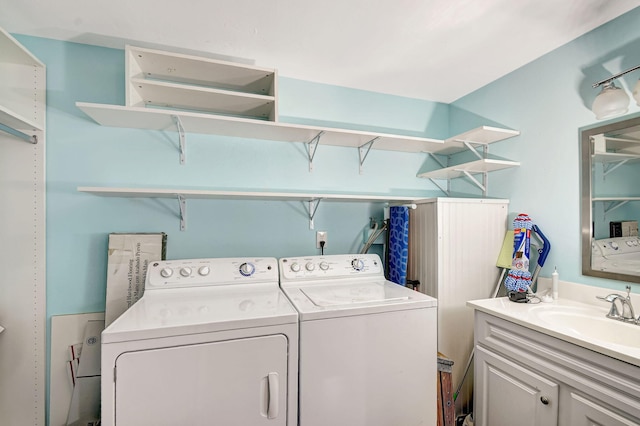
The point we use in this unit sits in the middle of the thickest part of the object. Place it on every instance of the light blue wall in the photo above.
(549, 100)
(82, 153)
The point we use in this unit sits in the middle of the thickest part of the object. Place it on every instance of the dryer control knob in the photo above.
(357, 264)
(310, 266)
(185, 272)
(324, 265)
(247, 269)
(295, 267)
(204, 270)
(166, 272)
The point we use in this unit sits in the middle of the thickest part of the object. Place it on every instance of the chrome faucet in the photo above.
(627, 314)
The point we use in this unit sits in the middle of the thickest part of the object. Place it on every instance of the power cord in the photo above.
(322, 247)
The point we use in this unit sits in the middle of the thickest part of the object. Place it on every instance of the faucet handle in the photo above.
(611, 298)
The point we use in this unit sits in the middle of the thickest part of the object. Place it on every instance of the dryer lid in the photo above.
(174, 312)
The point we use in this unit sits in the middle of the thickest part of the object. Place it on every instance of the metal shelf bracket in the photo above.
(182, 141)
(313, 207)
(446, 191)
(17, 133)
(474, 150)
(482, 186)
(435, 182)
(610, 168)
(363, 151)
(614, 205)
(182, 205)
(311, 146)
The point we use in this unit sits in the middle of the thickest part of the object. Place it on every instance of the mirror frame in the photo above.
(586, 202)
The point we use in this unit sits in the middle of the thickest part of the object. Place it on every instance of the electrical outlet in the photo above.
(321, 236)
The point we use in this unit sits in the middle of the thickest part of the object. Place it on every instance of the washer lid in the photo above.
(347, 297)
(175, 312)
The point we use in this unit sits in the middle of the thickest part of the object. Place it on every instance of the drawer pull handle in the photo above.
(544, 400)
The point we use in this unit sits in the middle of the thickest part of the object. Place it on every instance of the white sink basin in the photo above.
(588, 323)
(582, 324)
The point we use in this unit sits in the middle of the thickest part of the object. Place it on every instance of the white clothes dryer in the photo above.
(368, 346)
(211, 341)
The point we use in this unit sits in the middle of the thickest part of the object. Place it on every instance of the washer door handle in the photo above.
(274, 395)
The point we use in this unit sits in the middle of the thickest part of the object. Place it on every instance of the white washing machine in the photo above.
(368, 347)
(211, 341)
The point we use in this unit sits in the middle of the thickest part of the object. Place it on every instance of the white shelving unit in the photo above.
(471, 141)
(182, 195)
(185, 82)
(21, 102)
(22, 230)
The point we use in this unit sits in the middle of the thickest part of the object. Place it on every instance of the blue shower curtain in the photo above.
(398, 244)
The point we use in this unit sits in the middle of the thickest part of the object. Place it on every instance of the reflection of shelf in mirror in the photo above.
(601, 199)
(613, 144)
(614, 157)
(615, 202)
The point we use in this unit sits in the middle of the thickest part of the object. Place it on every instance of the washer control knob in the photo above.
(166, 272)
(295, 267)
(324, 265)
(247, 269)
(185, 272)
(357, 264)
(613, 245)
(309, 266)
(204, 271)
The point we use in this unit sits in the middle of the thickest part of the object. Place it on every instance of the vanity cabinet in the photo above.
(525, 377)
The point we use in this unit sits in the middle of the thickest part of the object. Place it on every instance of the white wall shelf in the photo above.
(193, 122)
(182, 195)
(183, 97)
(470, 141)
(479, 137)
(473, 167)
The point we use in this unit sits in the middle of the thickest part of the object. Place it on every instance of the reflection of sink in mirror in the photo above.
(587, 323)
(616, 255)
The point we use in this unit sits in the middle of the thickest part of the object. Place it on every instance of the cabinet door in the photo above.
(233, 383)
(508, 394)
(585, 412)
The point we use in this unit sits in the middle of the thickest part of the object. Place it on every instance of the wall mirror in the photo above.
(610, 200)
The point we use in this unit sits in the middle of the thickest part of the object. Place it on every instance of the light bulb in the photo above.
(610, 102)
(636, 93)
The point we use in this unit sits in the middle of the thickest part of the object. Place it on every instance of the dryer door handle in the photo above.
(274, 395)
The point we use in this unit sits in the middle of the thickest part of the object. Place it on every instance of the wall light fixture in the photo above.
(613, 100)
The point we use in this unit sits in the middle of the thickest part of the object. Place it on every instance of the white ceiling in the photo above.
(437, 50)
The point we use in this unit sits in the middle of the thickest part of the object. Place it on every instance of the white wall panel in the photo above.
(22, 244)
(453, 248)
